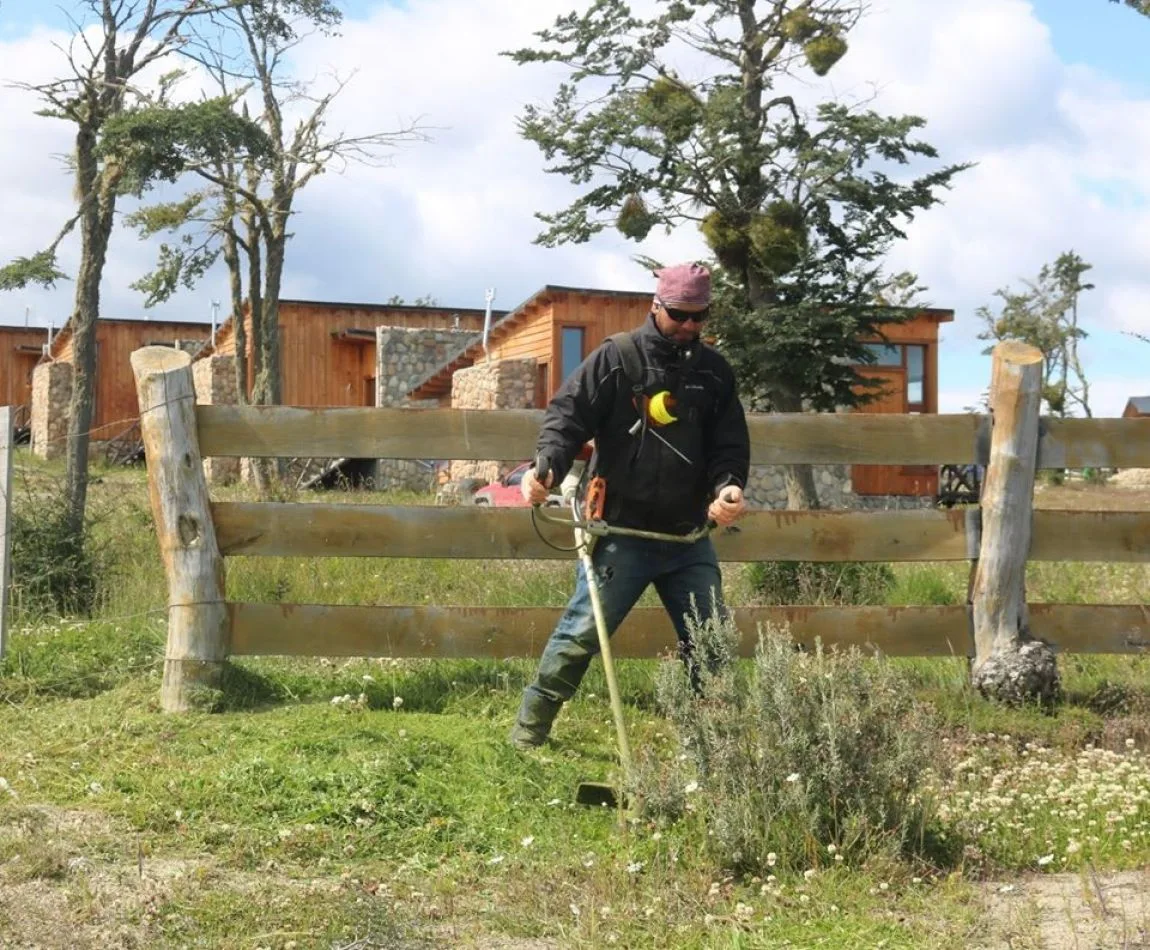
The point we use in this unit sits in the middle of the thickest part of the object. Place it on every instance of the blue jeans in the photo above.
(687, 579)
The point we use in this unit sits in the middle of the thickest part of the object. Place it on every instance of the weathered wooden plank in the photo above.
(501, 632)
(1119, 536)
(498, 434)
(1092, 628)
(1102, 443)
(861, 438)
(332, 530)
(6, 452)
(270, 431)
(327, 530)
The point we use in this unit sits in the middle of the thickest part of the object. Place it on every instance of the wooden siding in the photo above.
(117, 405)
(914, 480)
(600, 315)
(16, 364)
(531, 338)
(319, 369)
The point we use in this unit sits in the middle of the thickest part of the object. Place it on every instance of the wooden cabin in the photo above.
(116, 407)
(907, 362)
(560, 326)
(1136, 406)
(328, 350)
(21, 348)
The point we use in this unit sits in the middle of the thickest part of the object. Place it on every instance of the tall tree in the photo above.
(244, 207)
(797, 205)
(114, 43)
(1046, 315)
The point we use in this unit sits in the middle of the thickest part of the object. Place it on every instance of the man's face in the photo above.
(682, 323)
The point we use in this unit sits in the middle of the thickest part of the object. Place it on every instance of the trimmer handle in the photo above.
(542, 468)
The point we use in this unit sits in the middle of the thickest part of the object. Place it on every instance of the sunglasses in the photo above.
(682, 316)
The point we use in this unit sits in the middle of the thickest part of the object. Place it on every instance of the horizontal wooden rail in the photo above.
(844, 438)
(335, 530)
(503, 632)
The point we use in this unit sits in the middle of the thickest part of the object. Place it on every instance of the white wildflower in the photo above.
(498, 859)
(634, 867)
(690, 788)
(528, 841)
(397, 702)
(772, 858)
(809, 873)
(1045, 860)
(793, 777)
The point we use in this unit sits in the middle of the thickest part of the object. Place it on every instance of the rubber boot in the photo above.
(533, 722)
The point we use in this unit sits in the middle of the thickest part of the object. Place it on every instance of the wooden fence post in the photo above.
(1009, 665)
(198, 634)
(6, 450)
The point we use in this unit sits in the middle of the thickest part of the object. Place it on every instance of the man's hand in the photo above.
(534, 491)
(728, 507)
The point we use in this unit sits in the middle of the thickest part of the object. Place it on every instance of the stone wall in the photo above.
(767, 489)
(51, 396)
(215, 382)
(405, 357)
(499, 384)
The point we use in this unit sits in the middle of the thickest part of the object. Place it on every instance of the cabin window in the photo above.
(885, 354)
(571, 348)
(915, 378)
(911, 359)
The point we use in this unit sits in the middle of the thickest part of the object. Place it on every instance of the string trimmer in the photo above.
(587, 531)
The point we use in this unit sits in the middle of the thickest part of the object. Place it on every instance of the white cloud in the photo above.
(1060, 152)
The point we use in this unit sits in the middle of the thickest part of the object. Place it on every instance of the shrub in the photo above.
(817, 582)
(53, 570)
(792, 754)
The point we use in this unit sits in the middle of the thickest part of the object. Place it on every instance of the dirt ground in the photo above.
(1133, 495)
(1070, 912)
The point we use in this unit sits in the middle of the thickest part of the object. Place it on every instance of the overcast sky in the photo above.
(1051, 98)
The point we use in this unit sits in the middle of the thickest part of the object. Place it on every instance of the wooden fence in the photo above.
(196, 534)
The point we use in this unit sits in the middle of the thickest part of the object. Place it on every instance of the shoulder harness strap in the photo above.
(632, 360)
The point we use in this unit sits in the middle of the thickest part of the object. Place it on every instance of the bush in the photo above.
(791, 754)
(817, 582)
(53, 570)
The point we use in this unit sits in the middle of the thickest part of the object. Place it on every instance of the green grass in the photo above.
(402, 819)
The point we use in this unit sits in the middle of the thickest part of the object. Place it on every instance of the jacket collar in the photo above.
(663, 350)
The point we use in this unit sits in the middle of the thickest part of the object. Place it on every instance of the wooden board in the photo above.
(6, 452)
(498, 632)
(503, 632)
(333, 530)
(775, 439)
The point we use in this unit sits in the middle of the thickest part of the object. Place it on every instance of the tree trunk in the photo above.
(236, 292)
(1010, 665)
(95, 230)
(197, 614)
(267, 389)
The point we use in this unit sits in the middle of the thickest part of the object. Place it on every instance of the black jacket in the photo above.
(649, 486)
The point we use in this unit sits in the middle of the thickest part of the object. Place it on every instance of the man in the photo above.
(673, 449)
